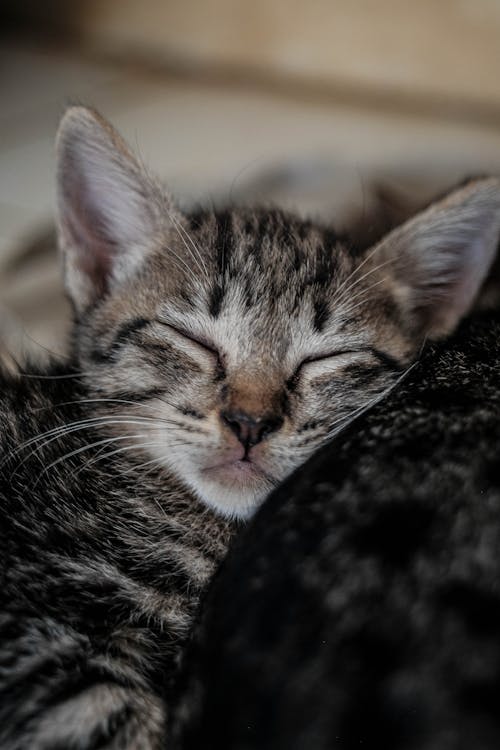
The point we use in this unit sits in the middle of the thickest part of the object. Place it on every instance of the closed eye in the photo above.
(198, 341)
(384, 359)
(314, 359)
(330, 355)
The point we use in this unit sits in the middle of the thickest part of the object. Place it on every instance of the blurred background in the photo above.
(307, 104)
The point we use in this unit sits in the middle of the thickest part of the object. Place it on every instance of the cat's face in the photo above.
(248, 358)
(228, 347)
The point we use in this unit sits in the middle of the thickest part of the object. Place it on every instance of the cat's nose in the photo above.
(248, 429)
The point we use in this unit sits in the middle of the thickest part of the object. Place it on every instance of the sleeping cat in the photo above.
(361, 607)
(212, 354)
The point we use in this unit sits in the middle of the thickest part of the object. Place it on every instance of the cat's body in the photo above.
(211, 356)
(361, 608)
(102, 563)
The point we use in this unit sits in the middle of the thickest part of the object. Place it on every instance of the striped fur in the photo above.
(102, 567)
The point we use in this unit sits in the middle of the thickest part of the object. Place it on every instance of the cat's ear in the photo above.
(109, 210)
(436, 262)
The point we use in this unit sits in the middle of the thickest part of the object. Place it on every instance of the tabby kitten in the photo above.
(256, 335)
(212, 354)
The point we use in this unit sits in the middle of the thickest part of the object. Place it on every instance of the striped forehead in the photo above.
(269, 261)
(269, 284)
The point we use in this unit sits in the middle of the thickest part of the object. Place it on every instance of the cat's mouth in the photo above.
(240, 470)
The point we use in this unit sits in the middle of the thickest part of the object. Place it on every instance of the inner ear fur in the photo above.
(436, 262)
(109, 208)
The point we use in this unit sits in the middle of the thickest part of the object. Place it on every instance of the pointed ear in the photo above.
(437, 261)
(109, 209)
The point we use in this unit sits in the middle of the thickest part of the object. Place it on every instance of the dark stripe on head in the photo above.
(215, 299)
(261, 233)
(330, 239)
(123, 334)
(223, 250)
(128, 328)
(321, 314)
(223, 242)
(196, 219)
(303, 229)
(326, 259)
(249, 226)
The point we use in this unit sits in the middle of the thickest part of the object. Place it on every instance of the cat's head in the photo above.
(227, 347)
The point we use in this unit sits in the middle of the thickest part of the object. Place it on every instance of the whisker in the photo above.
(129, 402)
(104, 456)
(187, 268)
(362, 297)
(356, 269)
(69, 428)
(339, 299)
(86, 447)
(161, 460)
(195, 252)
(33, 376)
(345, 421)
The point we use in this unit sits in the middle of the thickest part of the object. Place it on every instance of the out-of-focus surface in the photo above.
(304, 104)
(447, 49)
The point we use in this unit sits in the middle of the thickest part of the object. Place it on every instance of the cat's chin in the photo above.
(230, 472)
(234, 489)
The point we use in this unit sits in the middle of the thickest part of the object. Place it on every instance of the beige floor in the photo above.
(207, 141)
